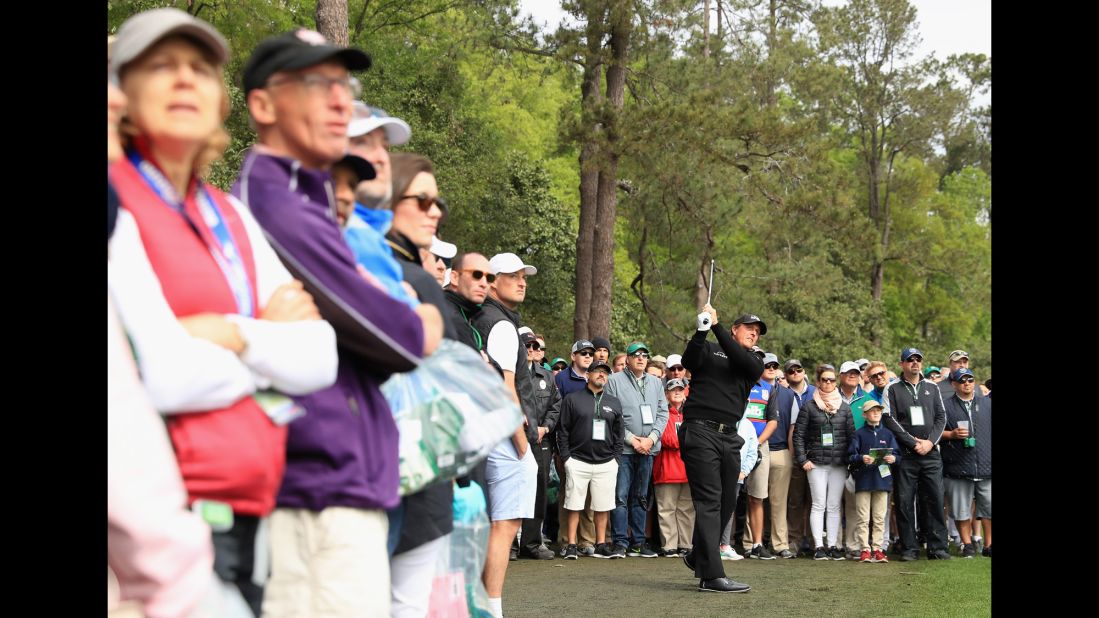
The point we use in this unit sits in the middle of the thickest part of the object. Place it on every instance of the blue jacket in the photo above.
(784, 400)
(868, 478)
(568, 382)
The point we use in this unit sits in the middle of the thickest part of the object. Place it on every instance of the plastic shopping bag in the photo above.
(457, 589)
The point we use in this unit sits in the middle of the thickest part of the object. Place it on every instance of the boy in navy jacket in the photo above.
(873, 479)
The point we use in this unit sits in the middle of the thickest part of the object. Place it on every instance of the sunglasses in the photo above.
(795, 370)
(477, 274)
(677, 368)
(965, 380)
(828, 380)
(425, 202)
(559, 366)
(640, 354)
(914, 359)
(533, 345)
(586, 353)
(880, 374)
(771, 366)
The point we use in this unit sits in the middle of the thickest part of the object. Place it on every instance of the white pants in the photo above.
(826, 486)
(412, 573)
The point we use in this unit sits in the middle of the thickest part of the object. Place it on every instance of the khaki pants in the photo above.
(797, 501)
(850, 518)
(676, 513)
(328, 563)
(870, 510)
(778, 490)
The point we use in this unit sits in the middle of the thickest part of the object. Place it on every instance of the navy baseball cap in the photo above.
(909, 352)
(959, 372)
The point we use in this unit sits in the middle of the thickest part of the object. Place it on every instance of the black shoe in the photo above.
(603, 550)
(619, 551)
(987, 552)
(760, 552)
(722, 584)
(514, 555)
(689, 560)
(969, 550)
(641, 551)
(938, 554)
(668, 553)
(821, 554)
(538, 553)
(570, 552)
(910, 555)
(786, 553)
(835, 553)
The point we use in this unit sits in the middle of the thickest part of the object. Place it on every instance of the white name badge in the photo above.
(598, 429)
(883, 469)
(646, 414)
(916, 413)
(826, 439)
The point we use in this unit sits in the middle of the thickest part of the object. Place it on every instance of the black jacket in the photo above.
(722, 375)
(545, 396)
(897, 416)
(960, 462)
(429, 513)
(462, 312)
(493, 312)
(812, 422)
(575, 425)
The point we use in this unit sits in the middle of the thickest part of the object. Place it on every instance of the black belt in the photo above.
(716, 426)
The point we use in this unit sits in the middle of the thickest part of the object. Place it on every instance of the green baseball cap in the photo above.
(635, 346)
(559, 360)
(930, 370)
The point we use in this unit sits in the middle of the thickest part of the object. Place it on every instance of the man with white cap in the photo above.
(675, 369)
(372, 133)
(850, 390)
(512, 471)
(438, 260)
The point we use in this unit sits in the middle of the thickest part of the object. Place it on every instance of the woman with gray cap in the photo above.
(215, 319)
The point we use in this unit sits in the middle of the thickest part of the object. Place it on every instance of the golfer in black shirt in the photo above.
(722, 375)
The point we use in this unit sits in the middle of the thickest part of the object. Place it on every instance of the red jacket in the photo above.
(668, 467)
(236, 454)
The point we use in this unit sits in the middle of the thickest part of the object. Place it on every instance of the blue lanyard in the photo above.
(225, 253)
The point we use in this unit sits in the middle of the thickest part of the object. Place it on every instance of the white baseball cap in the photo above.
(365, 119)
(849, 366)
(443, 248)
(674, 360)
(509, 263)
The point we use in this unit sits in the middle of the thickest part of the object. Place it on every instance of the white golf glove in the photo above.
(704, 321)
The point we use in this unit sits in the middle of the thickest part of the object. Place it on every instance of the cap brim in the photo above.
(135, 44)
(362, 168)
(353, 59)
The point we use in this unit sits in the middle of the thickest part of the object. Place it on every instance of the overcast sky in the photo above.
(947, 26)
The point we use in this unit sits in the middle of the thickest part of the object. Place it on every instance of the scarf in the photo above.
(828, 403)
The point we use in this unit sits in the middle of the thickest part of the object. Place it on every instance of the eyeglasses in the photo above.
(425, 202)
(828, 380)
(477, 274)
(880, 374)
(640, 354)
(771, 366)
(322, 84)
(933, 375)
(914, 359)
(533, 345)
(586, 353)
(966, 380)
(677, 368)
(795, 370)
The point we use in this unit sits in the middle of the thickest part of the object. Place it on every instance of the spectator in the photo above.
(967, 459)
(873, 480)
(675, 511)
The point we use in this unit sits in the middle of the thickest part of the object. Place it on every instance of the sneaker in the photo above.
(879, 556)
(759, 552)
(938, 554)
(786, 553)
(603, 550)
(835, 553)
(587, 551)
(987, 551)
(514, 555)
(538, 553)
(969, 550)
(619, 551)
(821, 554)
(853, 554)
(671, 553)
(864, 555)
(728, 553)
(570, 552)
(641, 551)
(910, 555)
(683, 552)
(722, 584)
(564, 548)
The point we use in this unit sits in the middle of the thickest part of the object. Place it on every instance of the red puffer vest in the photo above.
(668, 467)
(235, 454)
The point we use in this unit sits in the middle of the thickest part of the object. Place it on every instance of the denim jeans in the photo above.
(632, 489)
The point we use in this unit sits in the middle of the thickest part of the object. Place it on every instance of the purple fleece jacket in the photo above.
(343, 452)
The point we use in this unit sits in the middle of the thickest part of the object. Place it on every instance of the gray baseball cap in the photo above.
(142, 31)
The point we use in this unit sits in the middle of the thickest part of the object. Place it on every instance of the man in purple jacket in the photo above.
(328, 533)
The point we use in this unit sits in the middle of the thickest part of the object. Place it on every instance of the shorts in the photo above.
(513, 482)
(962, 492)
(601, 477)
(758, 480)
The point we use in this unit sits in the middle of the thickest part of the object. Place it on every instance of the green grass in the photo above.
(663, 587)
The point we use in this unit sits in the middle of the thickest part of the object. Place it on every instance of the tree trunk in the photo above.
(706, 30)
(332, 21)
